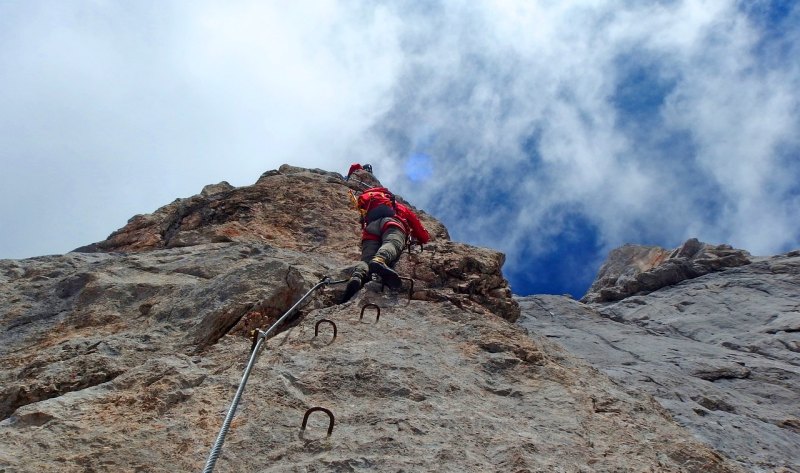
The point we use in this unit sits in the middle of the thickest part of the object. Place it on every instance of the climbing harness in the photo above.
(258, 340)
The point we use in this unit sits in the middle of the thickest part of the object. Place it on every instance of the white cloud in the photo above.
(142, 103)
(516, 102)
(551, 69)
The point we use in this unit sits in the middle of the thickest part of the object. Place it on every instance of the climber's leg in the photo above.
(392, 242)
(360, 273)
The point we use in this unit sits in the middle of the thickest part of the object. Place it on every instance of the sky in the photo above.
(553, 131)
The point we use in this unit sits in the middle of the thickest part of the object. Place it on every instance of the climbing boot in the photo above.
(388, 276)
(353, 285)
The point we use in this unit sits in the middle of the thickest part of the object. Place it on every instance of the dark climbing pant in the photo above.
(388, 247)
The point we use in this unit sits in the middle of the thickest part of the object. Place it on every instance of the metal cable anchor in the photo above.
(370, 305)
(259, 338)
(316, 327)
(410, 289)
(313, 409)
(256, 333)
(411, 248)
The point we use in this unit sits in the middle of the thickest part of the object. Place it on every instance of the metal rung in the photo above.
(316, 327)
(314, 409)
(370, 305)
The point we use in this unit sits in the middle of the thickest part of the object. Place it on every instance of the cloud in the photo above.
(111, 109)
(656, 122)
(553, 131)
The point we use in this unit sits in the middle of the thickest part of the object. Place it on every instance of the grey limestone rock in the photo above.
(138, 366)
(212, 189)
(721, 352)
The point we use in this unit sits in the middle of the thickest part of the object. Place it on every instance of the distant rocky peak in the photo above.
(637, 269)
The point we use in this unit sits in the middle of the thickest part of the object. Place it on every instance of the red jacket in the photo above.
(353, 168)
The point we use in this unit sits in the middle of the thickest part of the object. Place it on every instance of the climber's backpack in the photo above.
(377, 202)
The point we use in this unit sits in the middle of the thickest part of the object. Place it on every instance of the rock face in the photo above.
(308, 210)
(721, 352)
(126, 355)
(636, 269)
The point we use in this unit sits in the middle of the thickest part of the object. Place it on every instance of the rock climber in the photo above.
(355, 167)
(386, 225)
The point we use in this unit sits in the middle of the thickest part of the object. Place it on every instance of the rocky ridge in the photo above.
(124, 355)
(636, 269)
(720, 351)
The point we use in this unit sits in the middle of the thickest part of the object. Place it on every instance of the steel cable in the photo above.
(262, 336)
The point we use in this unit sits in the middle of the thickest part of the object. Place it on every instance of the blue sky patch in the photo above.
(777, 20)
(419, 167)
(770, 14)
(641, 89)
(567, 267)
